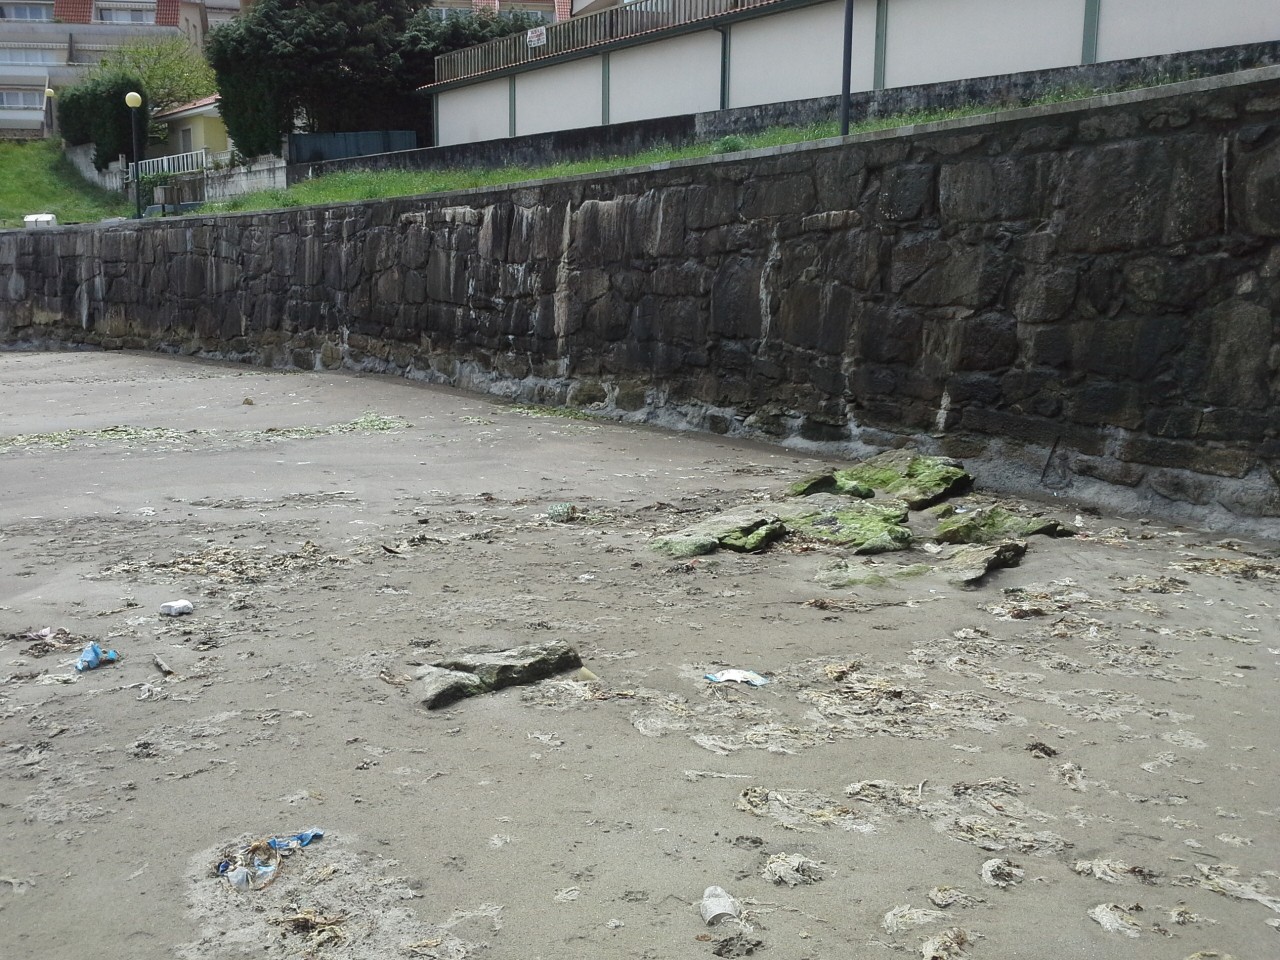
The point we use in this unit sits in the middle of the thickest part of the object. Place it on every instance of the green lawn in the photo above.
(36, 178)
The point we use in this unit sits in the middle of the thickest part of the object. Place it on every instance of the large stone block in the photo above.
(1139, 193)
(777, 196)
(1045, 294)
(1011, 188)
(1239, 373)
(906, 192)
(960, 275)
(735, 298)
(1257, 180)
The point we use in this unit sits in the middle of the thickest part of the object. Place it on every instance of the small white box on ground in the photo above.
(38, 221)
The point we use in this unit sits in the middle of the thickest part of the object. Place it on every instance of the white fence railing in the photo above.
(193, 162)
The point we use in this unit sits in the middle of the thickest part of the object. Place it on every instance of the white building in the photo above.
(661, 58)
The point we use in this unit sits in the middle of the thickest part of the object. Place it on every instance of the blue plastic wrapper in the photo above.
(295, 841)
(253, 871)
(94, 656)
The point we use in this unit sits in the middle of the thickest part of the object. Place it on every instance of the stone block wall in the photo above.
(1076, 298)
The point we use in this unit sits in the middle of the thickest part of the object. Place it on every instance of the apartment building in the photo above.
(47, 44)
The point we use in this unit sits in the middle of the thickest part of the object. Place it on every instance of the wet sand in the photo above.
(1094, 730)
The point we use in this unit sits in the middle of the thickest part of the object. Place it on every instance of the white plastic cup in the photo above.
(718, 905)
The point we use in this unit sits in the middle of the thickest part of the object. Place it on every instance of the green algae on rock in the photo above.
(918, 480)
(990, 524)
(831, 482)
(742, 529)
(754, 538)
(850, 573)
(869, 526)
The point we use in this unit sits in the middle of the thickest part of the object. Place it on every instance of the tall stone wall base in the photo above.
(1079, 299)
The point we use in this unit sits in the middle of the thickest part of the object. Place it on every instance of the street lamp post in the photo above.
(846, 70)
(48, 105)
(133, 101)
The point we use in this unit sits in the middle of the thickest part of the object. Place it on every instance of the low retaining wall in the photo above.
(261, 173)
(621, 139)
(1081, 297)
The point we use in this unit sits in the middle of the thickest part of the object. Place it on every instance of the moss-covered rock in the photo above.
(992, 524)
(683, 544)
(868, 526)
(830, 482)
(754, 538)
(742, 529)
(918, 480)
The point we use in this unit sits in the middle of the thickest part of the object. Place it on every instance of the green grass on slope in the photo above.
(370, 185)
(373, 185)
(35, 177)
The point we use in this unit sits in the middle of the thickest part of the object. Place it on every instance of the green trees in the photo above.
(427, 36)
(94, 111)
(167, 72)
(332, 66)
(171, 70)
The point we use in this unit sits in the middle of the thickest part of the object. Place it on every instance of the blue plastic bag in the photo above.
(94, 656)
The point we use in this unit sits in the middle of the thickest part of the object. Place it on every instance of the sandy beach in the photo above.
(1078, 756)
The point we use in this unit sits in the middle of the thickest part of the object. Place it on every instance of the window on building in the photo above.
(130, 14)
(26, 56)
(185, 137)
(26, 11)
(22, 99)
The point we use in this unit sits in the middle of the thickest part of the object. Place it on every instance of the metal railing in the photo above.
(193, 162)
(589, 30)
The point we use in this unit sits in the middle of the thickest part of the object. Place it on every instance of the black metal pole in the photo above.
(137, 185)
(846, 76)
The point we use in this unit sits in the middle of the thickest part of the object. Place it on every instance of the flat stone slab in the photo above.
(993, 524)
(504, 668)
(835, 481)
(917, 480)
(968, 565)
(742, 528)
(868, 526)
(439, 687)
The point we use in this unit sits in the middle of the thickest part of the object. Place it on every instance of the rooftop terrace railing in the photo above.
(580, 33)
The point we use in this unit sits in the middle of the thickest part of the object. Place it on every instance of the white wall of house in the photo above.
(562, 97)
(798, 55)
(481, 112)
(928, 41)
(1142, 28)
(680, 75)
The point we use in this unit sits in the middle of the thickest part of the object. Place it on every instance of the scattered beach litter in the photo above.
(793, 869)
(257, 864)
